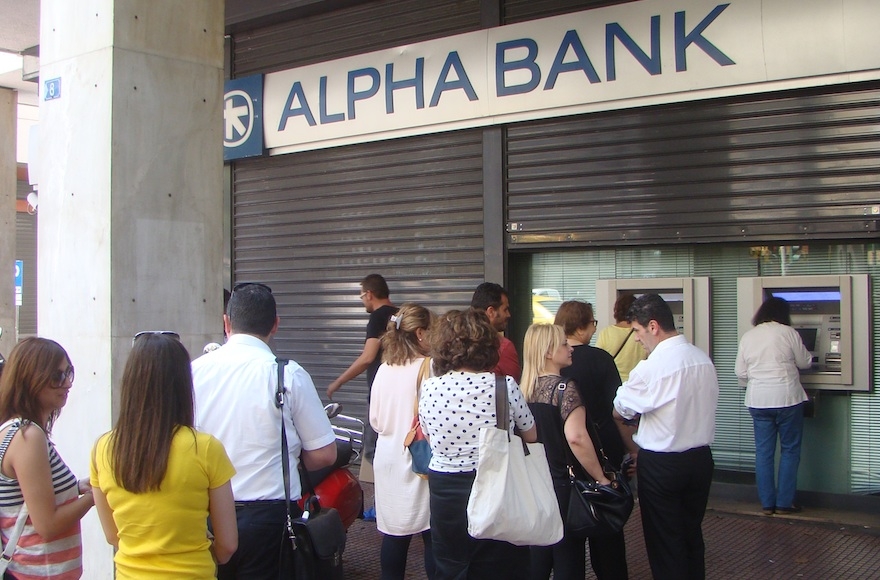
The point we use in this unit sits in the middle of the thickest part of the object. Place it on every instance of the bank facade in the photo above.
(552, 145)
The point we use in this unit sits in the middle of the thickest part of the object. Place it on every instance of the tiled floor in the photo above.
(740, 544)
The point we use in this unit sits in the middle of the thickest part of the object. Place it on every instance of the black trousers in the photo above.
(458, 556)
(673, 492)
(264, 550)
(394, 552)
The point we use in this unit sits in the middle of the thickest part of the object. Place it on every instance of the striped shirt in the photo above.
(34, 557)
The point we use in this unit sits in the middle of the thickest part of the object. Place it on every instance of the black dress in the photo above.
(597, 379)
(595, 374)
(565, 559)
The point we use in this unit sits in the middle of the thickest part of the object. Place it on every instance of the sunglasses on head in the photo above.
(241, 285)
(170, 333)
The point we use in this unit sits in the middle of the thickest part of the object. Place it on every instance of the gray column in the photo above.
(8, 114)
(130, 214)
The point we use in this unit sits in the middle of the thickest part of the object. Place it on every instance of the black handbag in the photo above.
(594, 509)
(319, 540)
(318, 535)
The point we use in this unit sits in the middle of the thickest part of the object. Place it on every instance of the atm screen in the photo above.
(810, 300)
(808, 335)
(793, 295)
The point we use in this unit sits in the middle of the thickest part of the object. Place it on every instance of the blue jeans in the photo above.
(786, 423)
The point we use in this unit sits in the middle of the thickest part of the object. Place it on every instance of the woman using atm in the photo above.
(769, 357)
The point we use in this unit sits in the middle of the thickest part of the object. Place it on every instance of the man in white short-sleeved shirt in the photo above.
(673, 394)
(235, 401)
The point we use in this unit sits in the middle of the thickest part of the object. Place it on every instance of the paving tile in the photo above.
(741, 544)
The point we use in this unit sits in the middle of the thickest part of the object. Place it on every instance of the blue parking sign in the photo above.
(19, 281)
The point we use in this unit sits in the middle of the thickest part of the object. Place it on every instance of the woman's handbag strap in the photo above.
(424, 373)
(591, 430)
(622, 344)
(502, 407)
(17, 529)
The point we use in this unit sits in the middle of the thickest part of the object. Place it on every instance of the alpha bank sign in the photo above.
(635, 54)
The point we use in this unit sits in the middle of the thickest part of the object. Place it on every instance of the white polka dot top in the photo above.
(454, 407)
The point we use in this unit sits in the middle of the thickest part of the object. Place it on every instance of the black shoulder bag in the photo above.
(317, 536)
(594, 509)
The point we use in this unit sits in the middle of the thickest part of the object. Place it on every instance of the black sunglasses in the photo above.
(61, 377)
(241, 285)
(170, 333)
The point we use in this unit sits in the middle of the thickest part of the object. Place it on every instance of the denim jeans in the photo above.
(786, 423)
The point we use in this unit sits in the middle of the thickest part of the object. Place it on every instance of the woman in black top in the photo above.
(597, 379)
(562, 430)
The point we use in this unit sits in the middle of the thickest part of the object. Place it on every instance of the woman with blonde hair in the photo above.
(156, 479)
(595, 376)
(402, 502)
(562, 428)
(35, 483)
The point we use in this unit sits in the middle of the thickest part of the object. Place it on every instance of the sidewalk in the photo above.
(741, 543)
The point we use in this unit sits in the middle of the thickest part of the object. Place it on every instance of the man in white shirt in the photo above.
(673, 394)
(235, 401)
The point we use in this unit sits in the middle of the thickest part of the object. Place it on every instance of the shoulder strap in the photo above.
(622, 344)
(424, 373)
(502, 407)
(285, 454)
(572, 461)
(17, 529)
(7, 439)
(591, 431)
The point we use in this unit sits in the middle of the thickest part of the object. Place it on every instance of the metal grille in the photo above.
(523, 10)
(357, 30)
(26, 250)
(793, 166)
(312, 225)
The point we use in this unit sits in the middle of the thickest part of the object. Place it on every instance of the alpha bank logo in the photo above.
(243, 118)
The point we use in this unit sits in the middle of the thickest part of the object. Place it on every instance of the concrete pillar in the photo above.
(8, 114)
(130, 212)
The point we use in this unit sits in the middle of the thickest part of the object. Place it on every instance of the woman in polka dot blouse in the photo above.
(453, 407)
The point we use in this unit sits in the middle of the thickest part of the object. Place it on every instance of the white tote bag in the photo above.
(512, 498)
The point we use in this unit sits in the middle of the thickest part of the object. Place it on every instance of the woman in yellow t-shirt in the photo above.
(617, 340)
(156, 480)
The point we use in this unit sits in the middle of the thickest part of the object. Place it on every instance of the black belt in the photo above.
(699, 449)
(259, 503)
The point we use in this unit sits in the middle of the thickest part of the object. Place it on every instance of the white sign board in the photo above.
(635, 54)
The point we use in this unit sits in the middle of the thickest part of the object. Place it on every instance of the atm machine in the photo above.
(831, 313)
(689, 299)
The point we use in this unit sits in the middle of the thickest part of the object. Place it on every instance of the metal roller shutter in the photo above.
(313, 224)
(791, 166)
(26, 250)
(523, 10)
(357, 30)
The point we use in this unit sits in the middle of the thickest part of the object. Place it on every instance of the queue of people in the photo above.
(188, 482)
